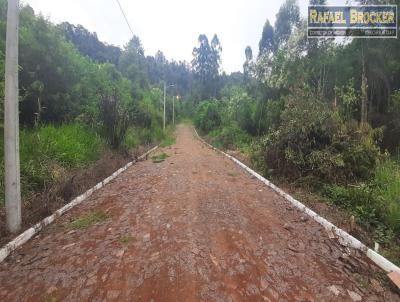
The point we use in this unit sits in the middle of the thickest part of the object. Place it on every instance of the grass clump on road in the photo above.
(124, 240)
(159, 158)
(87, 220)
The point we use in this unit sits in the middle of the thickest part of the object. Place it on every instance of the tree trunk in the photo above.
(364, 93)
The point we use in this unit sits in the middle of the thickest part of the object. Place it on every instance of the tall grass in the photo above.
(47, 152)
(375, 203)
(387, 190)
(143, 136)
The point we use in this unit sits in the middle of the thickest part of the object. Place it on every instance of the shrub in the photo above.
(230, 137)
(207, 117)
(312, 141)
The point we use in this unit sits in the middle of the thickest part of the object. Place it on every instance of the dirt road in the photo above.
(192, 228)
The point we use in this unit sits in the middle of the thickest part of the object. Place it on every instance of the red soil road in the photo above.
(193, 228)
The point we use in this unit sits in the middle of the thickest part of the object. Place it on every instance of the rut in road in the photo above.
(192, 228)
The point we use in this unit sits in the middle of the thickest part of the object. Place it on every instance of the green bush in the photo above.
(313, 142)
(230, 137)
(46, 152)
(360, 200)
(376, 202)
(207, 117)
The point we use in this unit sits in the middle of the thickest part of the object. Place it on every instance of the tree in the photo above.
(133, 65)
(267, 42)
(215, 59)
(287, 19)
(206, 65)
(89, 44)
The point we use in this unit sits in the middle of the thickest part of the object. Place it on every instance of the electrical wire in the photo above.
(126, 19)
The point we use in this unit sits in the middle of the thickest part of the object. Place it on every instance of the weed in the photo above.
(168, 141)
(233, 174)
(48, 151)
(88, 220)
(386, 185)
(159, 158)
(169, 137)
(125, 239)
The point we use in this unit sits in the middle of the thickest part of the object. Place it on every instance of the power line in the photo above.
(126, 19)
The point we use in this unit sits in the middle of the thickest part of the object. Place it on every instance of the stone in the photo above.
(68, 246)
(146, 238)
(120, 253)
(331, 235)
(92, 280)
(375, 284)
(51, 290)
(263, 284)
(287, 226)
(214, 260)
(354, 296)
(104, 277)
(334, 290)
(112, 294)
(304, 218)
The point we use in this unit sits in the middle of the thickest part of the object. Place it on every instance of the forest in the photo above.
(319, 115)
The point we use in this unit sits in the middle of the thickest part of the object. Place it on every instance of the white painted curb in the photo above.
(344, 237)
(29, 233)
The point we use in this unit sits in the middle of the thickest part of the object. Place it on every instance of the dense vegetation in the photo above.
(319, 113)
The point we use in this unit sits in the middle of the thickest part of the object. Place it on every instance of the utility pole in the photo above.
(364, 90)
(165, 92)
(11, 122)
(173, 110)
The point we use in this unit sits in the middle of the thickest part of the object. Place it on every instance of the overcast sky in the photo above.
(171, 26)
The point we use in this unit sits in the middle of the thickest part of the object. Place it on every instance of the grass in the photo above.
(48, 151)
(89, 219)
(376, 205)
(387, 188)
(169, 137)
(136, 136)
(168, 141)
(376, 202)
(125, 239)
(71, 145)
(159, 158)
(186, 120)
(142, 136)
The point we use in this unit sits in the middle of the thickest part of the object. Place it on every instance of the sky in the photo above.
(171, 26)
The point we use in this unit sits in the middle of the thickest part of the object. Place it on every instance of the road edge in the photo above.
(32, 231)
(343, 236)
